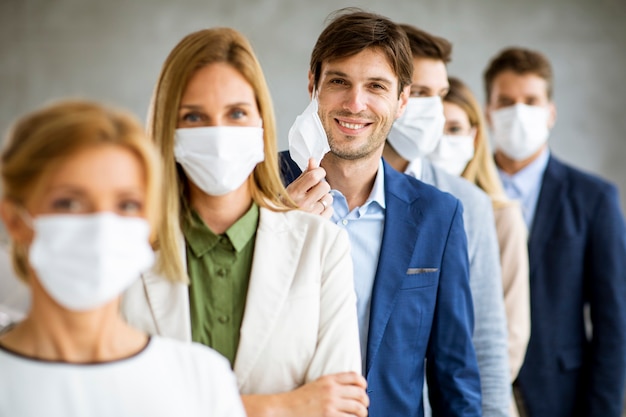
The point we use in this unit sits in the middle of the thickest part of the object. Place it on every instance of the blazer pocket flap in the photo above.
(415, 271)
(570, 359)
(420, 277)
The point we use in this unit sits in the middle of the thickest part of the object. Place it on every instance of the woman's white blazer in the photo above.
(300, 319)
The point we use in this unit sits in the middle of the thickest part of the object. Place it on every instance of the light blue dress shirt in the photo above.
(525, 185)
(365, 226)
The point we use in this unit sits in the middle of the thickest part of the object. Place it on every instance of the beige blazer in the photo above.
(513, 241)
(300, 320)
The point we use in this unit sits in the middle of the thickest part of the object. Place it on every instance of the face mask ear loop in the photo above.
(314, 94)
(25, 216)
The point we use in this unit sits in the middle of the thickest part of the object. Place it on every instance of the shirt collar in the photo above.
(526, 179)
(201, 239)
(377, 195)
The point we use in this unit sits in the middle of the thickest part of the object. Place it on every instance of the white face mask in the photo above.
(307, 137)
(85, 261)
(453, 153)
(416, 133)
(218, 159)
(520, 130)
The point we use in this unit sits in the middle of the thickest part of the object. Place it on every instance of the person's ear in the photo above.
(403, 100)
(311, 84)
(552, 115)
(13, 219)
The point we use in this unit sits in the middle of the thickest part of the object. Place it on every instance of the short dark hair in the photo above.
(351, 31)
(521, 61)
(425, 45)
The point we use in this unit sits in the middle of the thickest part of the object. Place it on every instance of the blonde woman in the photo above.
(241, 270)
(464, 150)
(81, 193)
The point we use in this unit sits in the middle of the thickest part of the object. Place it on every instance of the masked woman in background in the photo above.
(81, 195)
(240, 270)
(464, 150)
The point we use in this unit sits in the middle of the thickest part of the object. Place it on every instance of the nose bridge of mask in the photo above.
(457, 144)
(424, 107)
(218, 141)
(416, 133)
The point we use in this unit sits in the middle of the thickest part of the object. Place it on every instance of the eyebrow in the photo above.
(427, 88)
(199, 107)
(79, 190)
(343, 74)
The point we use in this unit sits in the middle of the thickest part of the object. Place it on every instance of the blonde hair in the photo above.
(195, 51)
(41, 141)
(481, 169)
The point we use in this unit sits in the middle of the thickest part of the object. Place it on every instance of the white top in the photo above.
(167, 378)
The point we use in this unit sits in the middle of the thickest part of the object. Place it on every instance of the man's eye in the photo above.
(337, 81)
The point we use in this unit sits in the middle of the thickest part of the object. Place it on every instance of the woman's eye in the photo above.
(131, 207)
(192, 117)
(237, 114)
(67, 205)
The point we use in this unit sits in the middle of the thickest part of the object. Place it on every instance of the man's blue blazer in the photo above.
(421, 304)
(577, 253)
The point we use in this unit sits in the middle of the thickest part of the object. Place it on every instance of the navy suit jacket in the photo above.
(421, 304)
(577, 252)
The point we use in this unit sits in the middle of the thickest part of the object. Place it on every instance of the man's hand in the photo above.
(337, 395)
(310, 193)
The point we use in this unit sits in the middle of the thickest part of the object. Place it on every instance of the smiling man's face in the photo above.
(358, 103)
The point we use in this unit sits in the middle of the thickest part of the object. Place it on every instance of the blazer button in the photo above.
(223, 319)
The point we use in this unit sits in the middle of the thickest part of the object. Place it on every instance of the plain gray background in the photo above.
(112, 51)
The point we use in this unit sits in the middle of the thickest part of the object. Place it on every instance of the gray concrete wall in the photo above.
(112, 51)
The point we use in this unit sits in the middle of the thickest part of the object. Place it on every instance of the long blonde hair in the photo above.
(193, 52)
(41, 141)
(481, 169)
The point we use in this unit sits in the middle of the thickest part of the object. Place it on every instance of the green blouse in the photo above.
(219, 271)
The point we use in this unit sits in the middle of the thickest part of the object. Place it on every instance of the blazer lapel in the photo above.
(548, 207)
(169, 303)
(402, 218)
(276, 253)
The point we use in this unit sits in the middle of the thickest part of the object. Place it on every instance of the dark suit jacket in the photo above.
(577, 251)
(421, 304)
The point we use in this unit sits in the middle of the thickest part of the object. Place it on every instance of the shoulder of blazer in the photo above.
(295, 220)
(410, 190)
(473, 198)
(580, 181)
